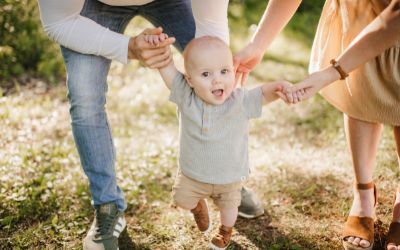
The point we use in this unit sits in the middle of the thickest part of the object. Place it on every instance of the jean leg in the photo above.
(176, 18)
(87, 87)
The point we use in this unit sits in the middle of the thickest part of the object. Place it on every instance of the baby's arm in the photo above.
(169, 71)
(274, 90)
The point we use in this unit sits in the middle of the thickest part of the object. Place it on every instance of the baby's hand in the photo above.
(294, 96)
(275, 90)
(156, 39)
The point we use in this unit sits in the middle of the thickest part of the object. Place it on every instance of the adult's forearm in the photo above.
(87, 37)
(211, 18)
(63, 23)
(276, 16)
(379, 35)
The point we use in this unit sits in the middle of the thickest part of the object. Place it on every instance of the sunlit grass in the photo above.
(300, 165)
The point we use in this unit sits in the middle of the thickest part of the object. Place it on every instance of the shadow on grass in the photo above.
(260, 232)
(317, 199)
(125, 242)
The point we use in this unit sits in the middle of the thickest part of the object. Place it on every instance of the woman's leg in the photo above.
(396, 210)
(396, 207)
(363, 138)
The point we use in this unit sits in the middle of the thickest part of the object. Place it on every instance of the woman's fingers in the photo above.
(244, 77)
(289, 97)
(282, 96)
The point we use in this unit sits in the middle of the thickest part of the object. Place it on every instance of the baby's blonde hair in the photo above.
(203, 42)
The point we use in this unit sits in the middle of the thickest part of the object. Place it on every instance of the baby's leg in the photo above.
(190, 194)
(187, 192)
(228, 216)
(227, 198)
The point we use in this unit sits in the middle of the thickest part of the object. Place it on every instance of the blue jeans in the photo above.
(87, 87)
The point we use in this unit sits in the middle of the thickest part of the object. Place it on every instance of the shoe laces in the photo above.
(104, 223)
(223, 235)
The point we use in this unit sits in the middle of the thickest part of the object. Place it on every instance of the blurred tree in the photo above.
(24, 47)
(302, 25)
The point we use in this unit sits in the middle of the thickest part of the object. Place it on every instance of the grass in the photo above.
(300, 166)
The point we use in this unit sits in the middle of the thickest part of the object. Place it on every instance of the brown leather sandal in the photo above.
(393, 237)
(393, 234)
(360, 227)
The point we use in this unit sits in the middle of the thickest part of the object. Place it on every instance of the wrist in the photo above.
(256, 48)
(169, 65)
(131, 48)
(328, 75)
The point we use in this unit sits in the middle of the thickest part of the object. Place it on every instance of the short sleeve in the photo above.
(252, 102)
(180, 89)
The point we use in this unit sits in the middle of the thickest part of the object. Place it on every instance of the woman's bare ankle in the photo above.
(363, 203)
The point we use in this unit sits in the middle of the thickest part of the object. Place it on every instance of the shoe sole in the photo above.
(250, 216)
(214, 247)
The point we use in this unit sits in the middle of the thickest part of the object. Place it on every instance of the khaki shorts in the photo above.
(187, 192)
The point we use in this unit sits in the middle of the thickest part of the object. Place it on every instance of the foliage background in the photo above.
(26, 51)
(300, 166)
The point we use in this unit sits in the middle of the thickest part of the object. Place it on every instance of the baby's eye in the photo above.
(205, 74)
(224, 71)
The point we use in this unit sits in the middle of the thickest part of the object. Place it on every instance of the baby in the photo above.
(213, 120)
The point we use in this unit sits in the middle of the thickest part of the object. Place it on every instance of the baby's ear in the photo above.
(187, 77)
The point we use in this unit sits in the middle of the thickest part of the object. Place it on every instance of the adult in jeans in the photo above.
(89, 33)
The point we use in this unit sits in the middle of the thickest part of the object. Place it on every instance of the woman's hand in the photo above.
(311, 85)
(151, 54)
(245, 61)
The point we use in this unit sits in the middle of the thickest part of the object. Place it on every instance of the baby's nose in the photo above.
(216, 80)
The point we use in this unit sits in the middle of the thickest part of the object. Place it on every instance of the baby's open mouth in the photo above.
(218, 92)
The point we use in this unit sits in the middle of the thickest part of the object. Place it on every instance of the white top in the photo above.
(63, 23)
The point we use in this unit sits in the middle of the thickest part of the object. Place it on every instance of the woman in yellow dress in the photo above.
(356, 59)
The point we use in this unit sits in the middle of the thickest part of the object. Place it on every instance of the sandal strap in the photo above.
(366, 186)
(394, 234)
(361, 227)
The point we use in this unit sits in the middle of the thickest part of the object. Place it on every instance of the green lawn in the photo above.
(300, 166)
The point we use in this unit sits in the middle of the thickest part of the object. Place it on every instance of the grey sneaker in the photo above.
(250, 205)
(106, 228)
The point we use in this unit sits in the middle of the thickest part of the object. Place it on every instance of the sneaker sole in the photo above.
(250, 216)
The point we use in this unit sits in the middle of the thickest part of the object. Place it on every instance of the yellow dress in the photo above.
(372, 91)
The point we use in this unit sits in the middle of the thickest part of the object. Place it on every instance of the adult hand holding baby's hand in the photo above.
(275, 90)
(245, 61)
(153, 52)
(308, 87)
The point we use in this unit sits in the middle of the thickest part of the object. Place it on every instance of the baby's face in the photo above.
(211, 74)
